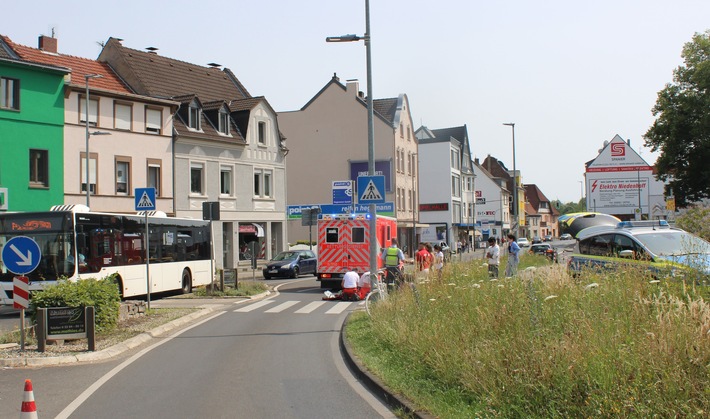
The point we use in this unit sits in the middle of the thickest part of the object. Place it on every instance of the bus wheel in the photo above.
(186, 282)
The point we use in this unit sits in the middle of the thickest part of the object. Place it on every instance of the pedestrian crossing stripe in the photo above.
(371, 193)
(145, 202)
(336, 308)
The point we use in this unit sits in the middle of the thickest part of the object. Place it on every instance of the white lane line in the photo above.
(309, 307)
(101, 381)
(281, 307)
(254, 306)
(338, 308)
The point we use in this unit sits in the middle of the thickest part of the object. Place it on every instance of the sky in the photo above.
(569, 74)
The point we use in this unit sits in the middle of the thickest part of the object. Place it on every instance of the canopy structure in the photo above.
(575, 222)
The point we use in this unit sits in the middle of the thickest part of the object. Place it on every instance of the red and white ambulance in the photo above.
(344, 245)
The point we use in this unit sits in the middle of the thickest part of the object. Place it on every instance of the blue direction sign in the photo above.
(21, 255)
(371, 189)
(342, 192)
(145, 199)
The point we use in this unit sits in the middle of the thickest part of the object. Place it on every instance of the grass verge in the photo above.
(542, 345)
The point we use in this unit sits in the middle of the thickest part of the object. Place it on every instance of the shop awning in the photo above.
(252, 228)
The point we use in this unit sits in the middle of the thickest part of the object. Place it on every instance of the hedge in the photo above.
(102, 294)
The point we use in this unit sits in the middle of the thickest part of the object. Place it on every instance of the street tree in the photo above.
(682, 128)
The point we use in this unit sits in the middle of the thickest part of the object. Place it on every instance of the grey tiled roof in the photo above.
(386, 107)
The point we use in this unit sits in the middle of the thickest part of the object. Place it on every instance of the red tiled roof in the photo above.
(79, 67)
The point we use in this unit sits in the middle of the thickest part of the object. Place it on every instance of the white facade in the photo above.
(119, 161)
(492, 204)
(620, 182)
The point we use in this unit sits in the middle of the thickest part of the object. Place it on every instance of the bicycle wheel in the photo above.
(372, 299)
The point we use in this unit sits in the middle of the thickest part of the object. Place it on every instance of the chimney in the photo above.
(352, 86)
(48, 44)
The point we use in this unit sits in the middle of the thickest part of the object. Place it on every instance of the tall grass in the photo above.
(544, 345)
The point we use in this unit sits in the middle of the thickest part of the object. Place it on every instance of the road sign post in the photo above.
(21, 255)
(145, 201)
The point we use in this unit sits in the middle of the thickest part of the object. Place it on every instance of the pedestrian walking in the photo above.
(513, 257)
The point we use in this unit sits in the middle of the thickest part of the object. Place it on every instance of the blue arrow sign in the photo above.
(21, 255)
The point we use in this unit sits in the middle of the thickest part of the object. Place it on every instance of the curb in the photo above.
(118, 348)
(374, 384)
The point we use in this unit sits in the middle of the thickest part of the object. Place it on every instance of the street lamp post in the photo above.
(370, 127)
(514, 225)
(415, 169)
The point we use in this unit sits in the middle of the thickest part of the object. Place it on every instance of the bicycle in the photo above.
(378, 292)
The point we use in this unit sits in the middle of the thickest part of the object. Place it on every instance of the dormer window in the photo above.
(261, 133)
(223, 127)
(194, 118)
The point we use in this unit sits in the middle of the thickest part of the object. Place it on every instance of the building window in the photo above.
(93, 111)
(197, 178)
(411, 203)
(410, 157)
(122, 116)
(123, 175)
(223, 123)
(194, 118)
(9, 93)
(401, 130)
(93, 159)
(455, 186)
(154, 175)
(455, 161)
(261, 132)
(39, 168)
(153, 121)
(225, 181)
(262, 183)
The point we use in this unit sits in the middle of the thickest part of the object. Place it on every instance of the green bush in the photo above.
(101, 294)
(697, 221)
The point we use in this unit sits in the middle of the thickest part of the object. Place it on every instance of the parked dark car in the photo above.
(290, 264)
(544, 249)
(547, 238)
(566, 236)
(536, 240)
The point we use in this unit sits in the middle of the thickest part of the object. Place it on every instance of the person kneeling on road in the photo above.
(349, 284)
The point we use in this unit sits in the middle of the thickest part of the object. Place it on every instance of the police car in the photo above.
(654, 245)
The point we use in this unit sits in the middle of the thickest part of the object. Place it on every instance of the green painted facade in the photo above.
(38, 124)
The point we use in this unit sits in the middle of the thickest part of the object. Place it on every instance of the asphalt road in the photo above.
(277, 357)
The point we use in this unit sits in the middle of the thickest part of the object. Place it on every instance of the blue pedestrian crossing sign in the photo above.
(21, 255)
(371, 189)
(145, 199)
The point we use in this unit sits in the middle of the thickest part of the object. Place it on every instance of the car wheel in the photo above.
(294, 274)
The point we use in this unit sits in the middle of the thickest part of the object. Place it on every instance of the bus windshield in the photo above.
(54, 235)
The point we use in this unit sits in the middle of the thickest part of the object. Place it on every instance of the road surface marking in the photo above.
(252, 307)
(281, 307)
(338, 308)
(310, 307)
(64, 414)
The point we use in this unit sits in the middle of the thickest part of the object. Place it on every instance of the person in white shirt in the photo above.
(493, 256)
(438, 260)
(349, 284)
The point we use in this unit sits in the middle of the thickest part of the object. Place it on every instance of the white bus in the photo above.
(78, 244)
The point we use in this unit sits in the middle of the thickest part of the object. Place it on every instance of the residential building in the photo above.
(129, 136)
(492, 204)
(227, 148)
(498, 170)
(32, 131)
(540, 214)
(447, 201)
(328, 141)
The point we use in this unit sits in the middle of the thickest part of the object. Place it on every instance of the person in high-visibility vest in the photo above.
(394, 259)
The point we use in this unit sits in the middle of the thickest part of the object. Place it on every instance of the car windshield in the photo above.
(674, 243)
(286, 256)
